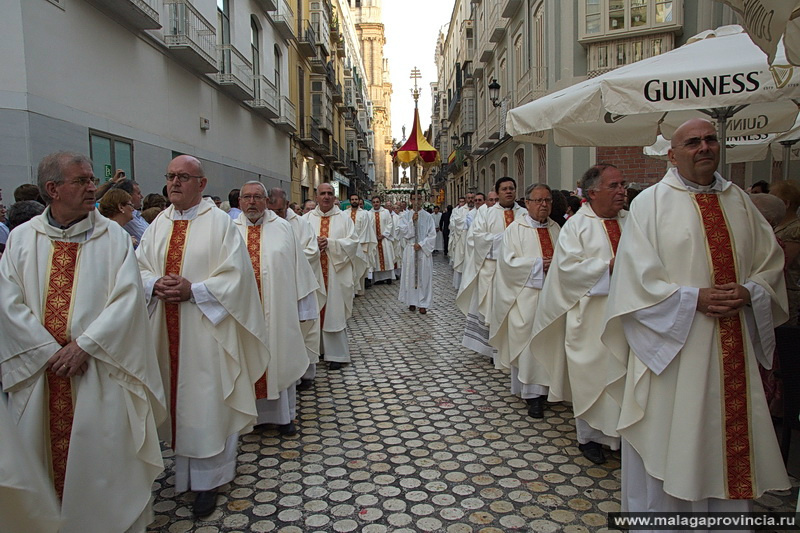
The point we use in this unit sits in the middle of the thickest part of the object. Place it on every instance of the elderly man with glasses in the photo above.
(527, 252)
(698, 288)
(569, 319)
(211, 338)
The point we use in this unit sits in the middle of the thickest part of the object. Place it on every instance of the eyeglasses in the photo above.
(83, 181)
(253, 197)
(694, 142)
(183, 177)
(540, 200)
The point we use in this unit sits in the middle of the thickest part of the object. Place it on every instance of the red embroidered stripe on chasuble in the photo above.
(380, 242)
(324, 229)
(173, 265)
(735, 394)
(57, 312)
(614, 232)
(508, 215)
(545, 243)
(254, 250)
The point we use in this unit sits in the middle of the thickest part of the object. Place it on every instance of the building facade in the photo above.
(134, 83)
(531, 48)
(370, 29)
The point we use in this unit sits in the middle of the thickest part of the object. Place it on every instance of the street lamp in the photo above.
(494, 92)
(455, 139)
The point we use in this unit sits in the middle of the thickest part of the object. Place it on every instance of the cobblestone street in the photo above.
(417, 434)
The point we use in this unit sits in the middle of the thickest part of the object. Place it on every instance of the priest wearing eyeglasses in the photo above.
(211, 338)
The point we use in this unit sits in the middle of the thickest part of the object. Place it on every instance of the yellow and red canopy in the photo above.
(417, 149)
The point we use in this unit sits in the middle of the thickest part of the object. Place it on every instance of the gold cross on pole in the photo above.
(415, 75)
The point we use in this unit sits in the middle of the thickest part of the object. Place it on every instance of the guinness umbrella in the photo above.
(717, 74)
(767, 21)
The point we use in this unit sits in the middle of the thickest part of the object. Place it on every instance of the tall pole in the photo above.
(415, 92)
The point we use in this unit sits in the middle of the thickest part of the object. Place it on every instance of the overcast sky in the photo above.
(411, 28)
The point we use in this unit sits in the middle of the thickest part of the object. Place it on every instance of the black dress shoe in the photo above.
(288, 430)
(535, 407)
(388, 282)
(334, 366)
(204, 503)
(367, 283)
(593, 451)
(305, 384)
(412, 307)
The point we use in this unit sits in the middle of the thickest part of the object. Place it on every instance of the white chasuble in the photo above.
(338, 261)
(416, 285)
(383, 257)
(120, 394)
(570, 317)
(284, 279)
(516, 291)
(210, 366)
(697, 415)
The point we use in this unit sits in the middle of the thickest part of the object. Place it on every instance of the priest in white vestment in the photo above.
(286, 289)
(458, 234)
(367, 239)
(437, 219)
(527, 251)
(308, 242)
(27, 499)
(383, 257)
(340, 254)
(483, 248)
(569, 318)
(77, 358)
(698, 288)
(209, 328)
(417, 228)
(399, 242)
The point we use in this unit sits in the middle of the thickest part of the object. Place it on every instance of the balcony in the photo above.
(318, 64)
(287, 121)
(340, 50)
(283, 19)
(235, 76)
(338, 97)
(267, 5)
(306, 42)
(265, 102)
(310, 133)
(487, 54)
(455, 106)
(138, 14)
(190, 37)
(510, 9)
(498, 33)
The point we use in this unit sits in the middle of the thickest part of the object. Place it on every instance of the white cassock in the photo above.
(337, 262)
(365, 229)
(27, 500)
(439, 244)
(217, 343)
(383, 258)
(569, 321)
(416, 286)
(310, 328)
(81, 284)
(399, 245)
(517, 285)
(458, 230)
(697, 432)
(483, 245)
(287, 288)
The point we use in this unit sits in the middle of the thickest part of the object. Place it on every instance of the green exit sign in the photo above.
(107, 172)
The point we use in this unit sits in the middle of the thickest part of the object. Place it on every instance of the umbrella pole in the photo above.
(787, 156)
(416, 234)
(721, 116)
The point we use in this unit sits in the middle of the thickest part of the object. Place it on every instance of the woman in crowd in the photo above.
(116, 205)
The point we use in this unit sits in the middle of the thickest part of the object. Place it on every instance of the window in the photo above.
(538, 36)
(278, 71)
(657, 47)
(620, 54)
(594, 23)
(616, 15)
(108, 153)
(504, 166)
(663, 12)
(602, 57)
(638, 13)
(519, 157)
(224, 34)
(601, 18)
(255, 52)
(637, 51)
(519, 65)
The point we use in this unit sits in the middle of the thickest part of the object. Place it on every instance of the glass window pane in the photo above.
(637, 51)
(592, 7)
(602, 57)
(638, 13)
(123, 158)
(101, 157)
(620, 55)
(656, 47)
(593, 24)
(663, 12)
(616, 14)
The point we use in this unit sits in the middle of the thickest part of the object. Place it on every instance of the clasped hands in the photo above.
(69, 361)
(173, 289)
(722, 300)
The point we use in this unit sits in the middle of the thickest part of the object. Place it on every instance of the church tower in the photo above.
(369, 26)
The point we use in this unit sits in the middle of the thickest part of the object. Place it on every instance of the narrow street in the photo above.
(417, 434)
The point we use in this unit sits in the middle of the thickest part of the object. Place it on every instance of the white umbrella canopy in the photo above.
(767, 21)
(716, 74)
